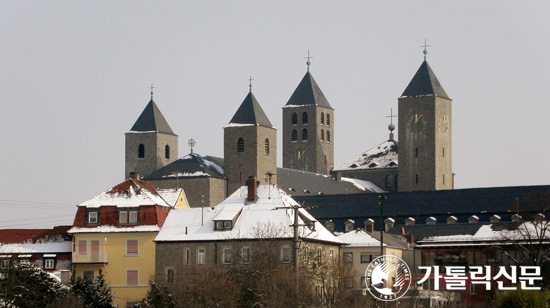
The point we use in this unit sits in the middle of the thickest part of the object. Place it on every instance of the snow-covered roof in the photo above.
(40, 247)
(171, 196)
(489, 233)
(381, 156)
(191, 165)
(359, 238)
(254, 218)
(111, 229)
(364, 185)
(130, 193)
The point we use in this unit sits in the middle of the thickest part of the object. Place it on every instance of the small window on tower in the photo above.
(322, 135)
(328, 136)
(294, 118)
(294, 136)
(304, 135)
(322, 118)
(167, 152)
(417, 179)
(266, 146)
(240, 145)
(141, 151)
(328, 119)
(304, 118)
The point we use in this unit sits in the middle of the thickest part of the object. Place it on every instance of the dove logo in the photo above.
(388, 278)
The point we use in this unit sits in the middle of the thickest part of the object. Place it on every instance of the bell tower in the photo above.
(308, 128)
(425, 144)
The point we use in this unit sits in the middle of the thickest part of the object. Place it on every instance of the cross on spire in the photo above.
(191, 144)
(425, 49)
(250, 83)
(152, 87)
(391, 127)
(308, 63)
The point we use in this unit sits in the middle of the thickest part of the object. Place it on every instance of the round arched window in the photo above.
(304, 135)
(304, 118)
(240, 145)
(167, 152)
(141, 151)
(294, 118)
(294, 136)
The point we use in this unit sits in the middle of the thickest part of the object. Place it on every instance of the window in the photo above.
(25, 261)
(306, 255)
(319, 256)
(415, 152)
(93, 218)
(322, 118)
(294, 118)
(128, 217)
(322, 135)
(363, 282)
(133, 217)
(82, 248)
(132, 246)
(167, 152)
(328, 119)
(294, 136)
(132, 277)
(227, 256)
(285, 254)
(219, 225)
(222, 225)
(304, 118)
(348, 257)
(49, 263)
(240, 145)
(245, 254)
(328, 136)
(266, 146)
(416, 178)
(186, 256)
(94, 249)
(227, 225)
(366, 258)
(170, 275)
(201, 256)
(123, 217)
(389, 181)
(141, 151)
(331, 256)
(131, 304)
(304, 134)
(88, 274)
(5, 263)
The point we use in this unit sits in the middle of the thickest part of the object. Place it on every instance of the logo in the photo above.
(388, 278)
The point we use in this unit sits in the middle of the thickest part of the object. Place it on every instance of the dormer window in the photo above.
(93, 217)
(128, 217)
(223, 225)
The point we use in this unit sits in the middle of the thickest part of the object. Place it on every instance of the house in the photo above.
(48, 249)
(233, 232)
(113, 235)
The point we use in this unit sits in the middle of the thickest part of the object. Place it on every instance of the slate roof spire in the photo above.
(152, 120)
(308, 93)
(250, 113)
(424, 83)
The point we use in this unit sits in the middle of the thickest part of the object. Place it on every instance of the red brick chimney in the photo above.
(410, 238)
(369, 225)
(252, 189)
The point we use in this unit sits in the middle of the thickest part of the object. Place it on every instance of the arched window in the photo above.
(304, 135)
(167, 152)
(266, 146)
(328, 136)
(328, 119)
(294, 118)
(322, 135)
(294, 136)
(240, 145)
(304, 118)
(322, 118)
(141, 151)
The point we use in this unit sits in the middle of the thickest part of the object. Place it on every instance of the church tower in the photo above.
(425, 145)
(150, 143)
(250, 146)
(308, 129)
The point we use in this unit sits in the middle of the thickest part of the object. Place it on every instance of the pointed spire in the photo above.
(152, 120)
(424, 83)
(250, 112)
(308, 93)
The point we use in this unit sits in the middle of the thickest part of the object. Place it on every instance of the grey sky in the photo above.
(75, 76)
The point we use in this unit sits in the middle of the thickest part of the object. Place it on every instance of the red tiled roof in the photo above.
(13, 236)
(125, 186)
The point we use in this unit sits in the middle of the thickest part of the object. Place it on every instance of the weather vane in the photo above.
(152, 91)
(308, 63)
(425, 49)
(250, 83)
(191, 144)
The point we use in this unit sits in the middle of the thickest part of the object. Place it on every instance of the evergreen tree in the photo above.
(93, 292)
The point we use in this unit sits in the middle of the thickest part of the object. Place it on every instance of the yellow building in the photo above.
(113, 234)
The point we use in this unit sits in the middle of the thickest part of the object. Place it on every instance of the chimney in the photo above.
(410, 238)
(134, 175)
(252, 189)
(369, 225)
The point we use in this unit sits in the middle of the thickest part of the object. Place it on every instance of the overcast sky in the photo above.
(75, 76)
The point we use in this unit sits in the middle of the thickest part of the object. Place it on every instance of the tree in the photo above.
(522, 299)
(25, 285)
(93, 292)
(158, 297)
